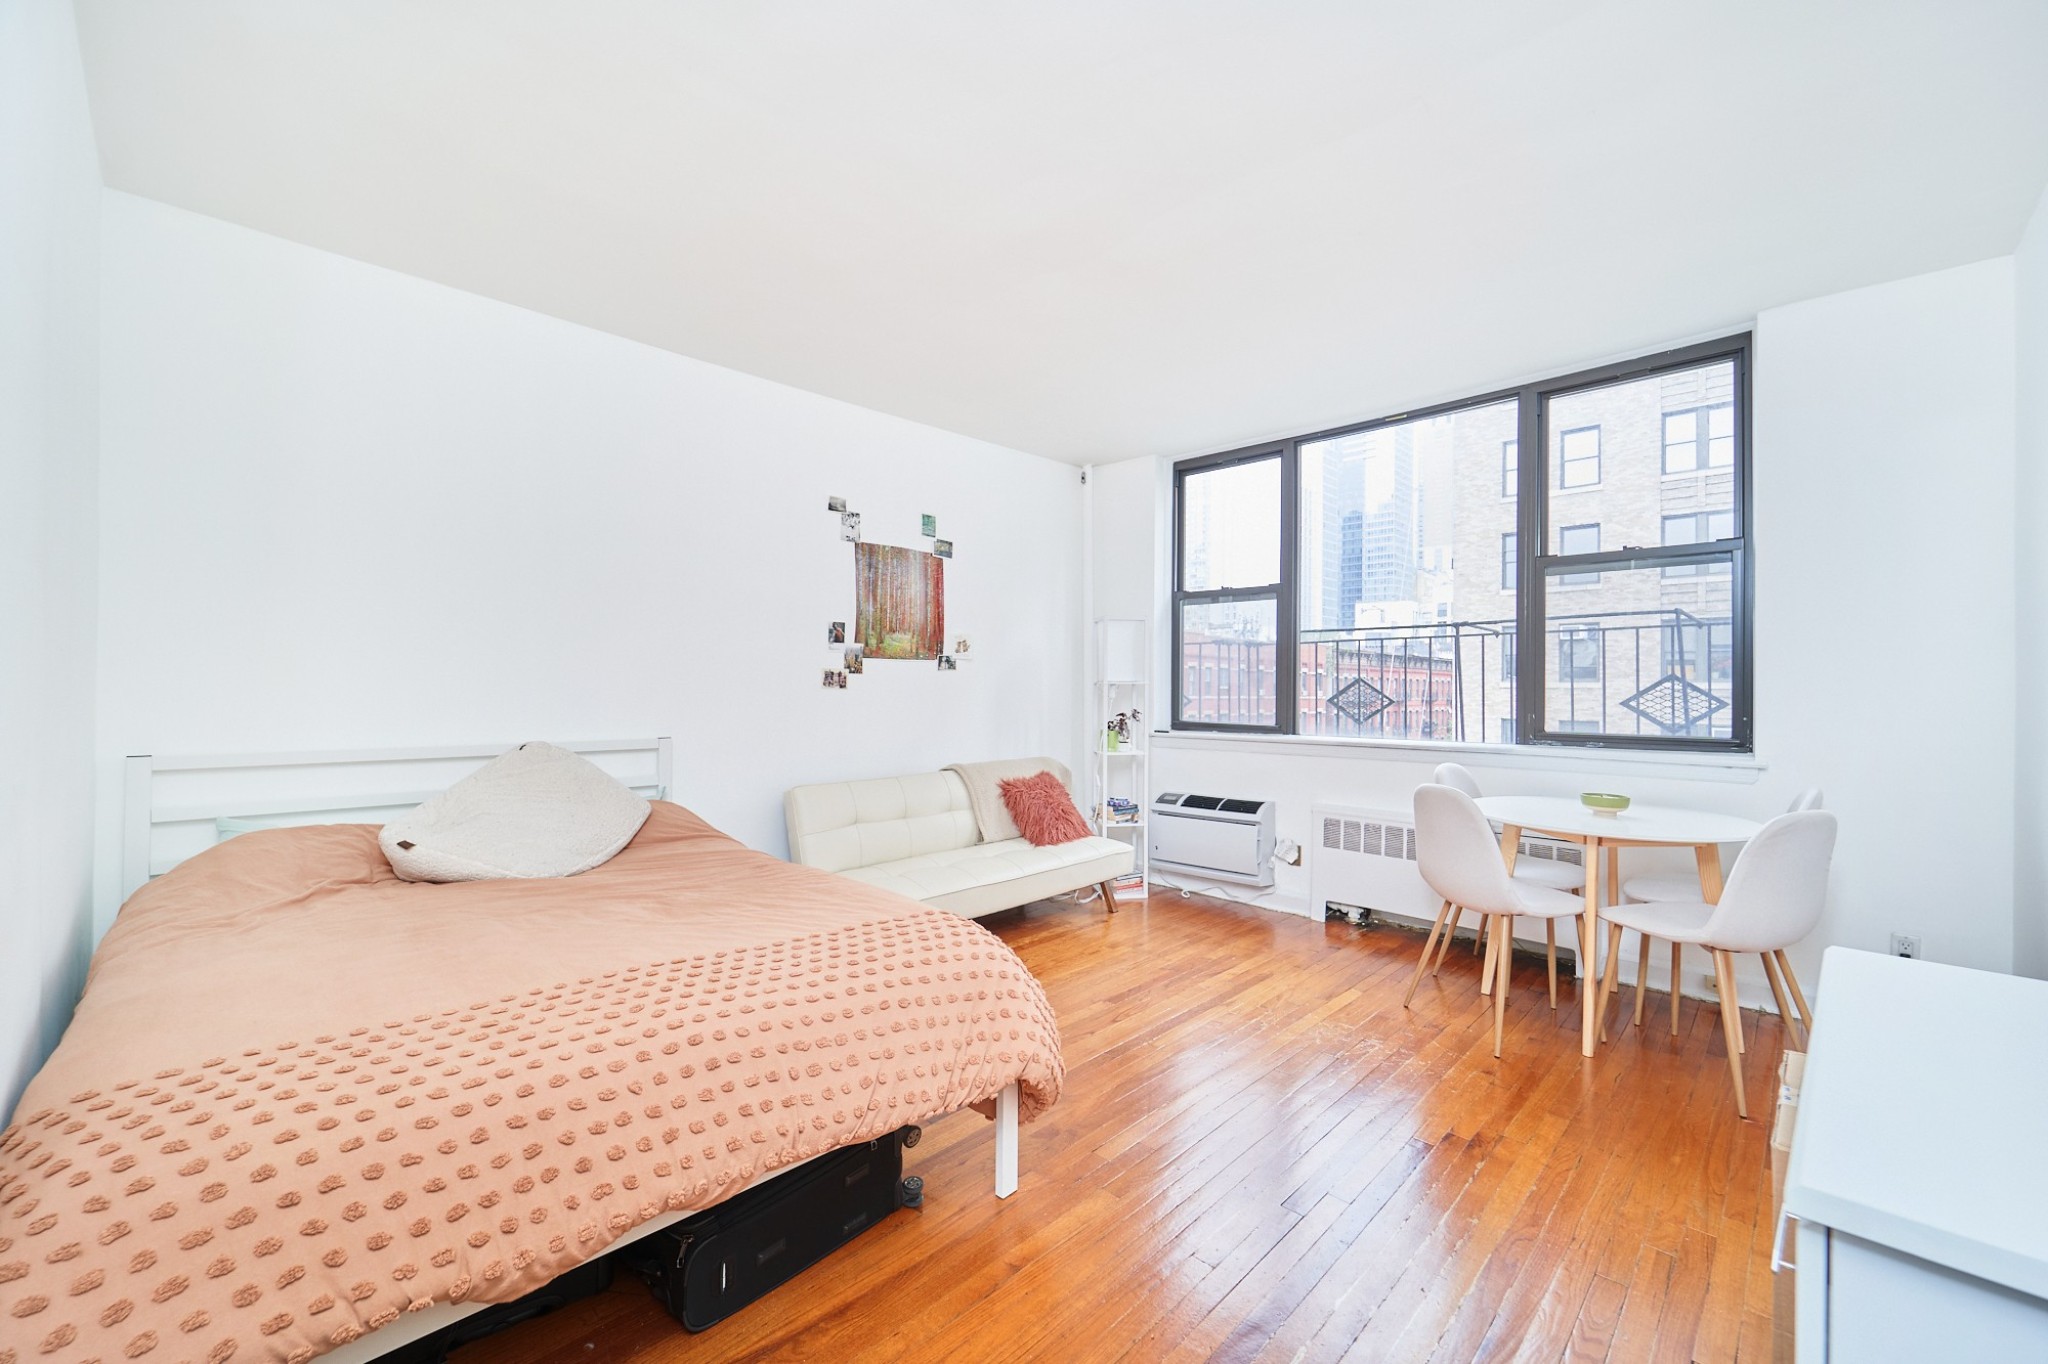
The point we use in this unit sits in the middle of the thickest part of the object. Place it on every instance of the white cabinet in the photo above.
(1915, 1176)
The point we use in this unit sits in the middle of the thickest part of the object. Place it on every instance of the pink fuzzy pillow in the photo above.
(1042, 809)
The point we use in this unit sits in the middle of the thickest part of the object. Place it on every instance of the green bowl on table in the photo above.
(1603, 802)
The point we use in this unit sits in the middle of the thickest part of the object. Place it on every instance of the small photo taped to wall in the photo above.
(853, 659)
(929, 524)
(959, 646)
(948, 664)
(943, 548)
(835, 633)
(849, 525)
(839, 679)
(831, 678)
(837, 504)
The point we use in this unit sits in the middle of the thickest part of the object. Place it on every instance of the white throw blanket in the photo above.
(985, 796)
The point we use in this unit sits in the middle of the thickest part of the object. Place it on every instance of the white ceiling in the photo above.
(1095, 230)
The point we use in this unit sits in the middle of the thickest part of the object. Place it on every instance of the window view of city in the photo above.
(1407, 568)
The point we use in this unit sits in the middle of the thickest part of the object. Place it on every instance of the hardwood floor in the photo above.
(1261, 1156)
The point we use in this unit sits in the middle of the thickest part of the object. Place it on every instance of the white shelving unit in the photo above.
(1123, 656)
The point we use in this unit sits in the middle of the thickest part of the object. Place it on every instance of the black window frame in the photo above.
(1283, 594)
(1533, 567)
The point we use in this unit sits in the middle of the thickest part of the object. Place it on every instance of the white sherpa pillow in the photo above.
(536, 811)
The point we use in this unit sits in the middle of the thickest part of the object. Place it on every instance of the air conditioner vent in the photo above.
(1201, 802)
(1242, 807)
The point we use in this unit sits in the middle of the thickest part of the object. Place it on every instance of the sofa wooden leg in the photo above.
(1108, 889)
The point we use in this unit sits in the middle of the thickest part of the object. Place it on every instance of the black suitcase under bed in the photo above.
(709, 1265)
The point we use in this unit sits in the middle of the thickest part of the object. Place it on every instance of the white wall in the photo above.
(345, 507)
(2030, 508)
(1885, 655)
(49, 207)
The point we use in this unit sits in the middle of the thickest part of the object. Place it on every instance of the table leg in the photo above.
(1708, 856)
(1510, 845)
(1590, 977)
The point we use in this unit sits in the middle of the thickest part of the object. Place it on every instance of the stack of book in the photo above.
(1120, 811)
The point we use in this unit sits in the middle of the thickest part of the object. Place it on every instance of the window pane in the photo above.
(1510, 468)
(1230, 527)
(1578, 540)
(1641, 653)
(1720, 436)
(1227, 660)
(1578, 457)
(1666, 445)
(1407, 576)
(1693, 528)
(1681, 442)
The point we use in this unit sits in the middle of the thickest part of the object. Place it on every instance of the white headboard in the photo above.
(172, 806)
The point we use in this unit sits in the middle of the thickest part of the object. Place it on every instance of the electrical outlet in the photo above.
(1906, 945)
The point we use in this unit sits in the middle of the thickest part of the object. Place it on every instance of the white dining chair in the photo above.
(1460, 859)
(1678, 887)
(1773, 899)
(1531, 870)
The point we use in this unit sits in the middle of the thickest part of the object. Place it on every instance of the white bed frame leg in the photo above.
(1006, 1141)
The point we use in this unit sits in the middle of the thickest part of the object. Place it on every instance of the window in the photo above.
(1375, 582)
(1231, 559)
(1699, 438)
(1583, 539)
(1578, 655)
(1693, 528)
(1578, 458)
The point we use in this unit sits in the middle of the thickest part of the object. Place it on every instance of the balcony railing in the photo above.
(1662, 672)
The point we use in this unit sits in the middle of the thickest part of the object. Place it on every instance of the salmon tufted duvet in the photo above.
(301, 1096)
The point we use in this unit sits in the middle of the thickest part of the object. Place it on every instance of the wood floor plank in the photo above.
(1260, 1155)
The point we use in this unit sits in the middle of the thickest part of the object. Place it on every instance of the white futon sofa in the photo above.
(944, 838)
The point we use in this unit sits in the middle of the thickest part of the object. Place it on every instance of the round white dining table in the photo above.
(1639, 826)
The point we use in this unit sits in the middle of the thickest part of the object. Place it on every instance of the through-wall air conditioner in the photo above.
(1222, 838)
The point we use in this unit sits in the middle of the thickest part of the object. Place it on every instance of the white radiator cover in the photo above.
(1363, 858)
(1223, 838)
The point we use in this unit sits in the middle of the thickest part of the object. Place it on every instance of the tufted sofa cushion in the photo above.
(842, 825)
(917, 835)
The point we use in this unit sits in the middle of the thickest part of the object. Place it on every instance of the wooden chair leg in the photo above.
(1550, 953)
(1608, 977)
(1492, 967)
(1731, 1026)
(1798, 995)
(1674, 989)
(1642, 973)
(1791, 1019)
(1108, 889)
(1427, 948)
(1479, 939)
(1504, 936)
(1443, 947)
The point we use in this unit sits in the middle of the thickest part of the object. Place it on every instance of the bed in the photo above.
(308, 1109)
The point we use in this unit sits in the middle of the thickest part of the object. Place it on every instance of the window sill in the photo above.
(1743, 768)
